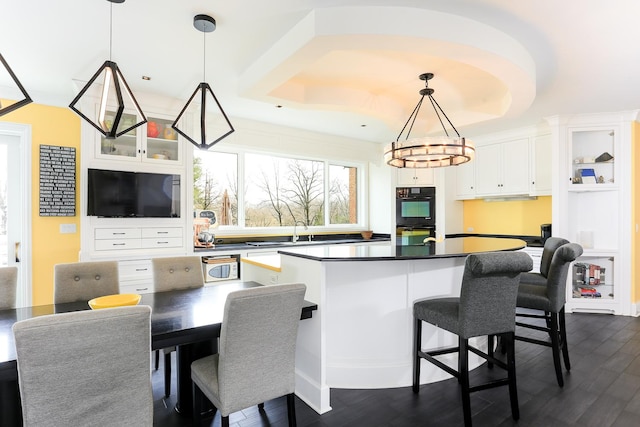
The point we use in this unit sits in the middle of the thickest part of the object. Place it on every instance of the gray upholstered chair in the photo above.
(82, 281)
(87, 368)
(550, 300)
(8, 285)
(486, 306)
(550, 246)
(256, 358)
(172, 273)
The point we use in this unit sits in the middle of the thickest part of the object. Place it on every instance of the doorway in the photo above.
(15, 205)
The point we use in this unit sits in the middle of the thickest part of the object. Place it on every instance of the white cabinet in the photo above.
(592, 206)
(415, 177)
(136, 276)
(123, 239)
(154, 141)
(502, 168)
(540, 166)
(466, 181)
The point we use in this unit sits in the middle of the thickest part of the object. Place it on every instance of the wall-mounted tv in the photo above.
(132, 194)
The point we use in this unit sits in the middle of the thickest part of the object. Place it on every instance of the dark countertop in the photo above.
(277, 242)
(532, 241)
(448, 248)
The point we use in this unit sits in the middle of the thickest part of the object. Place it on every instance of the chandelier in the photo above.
(428, 151)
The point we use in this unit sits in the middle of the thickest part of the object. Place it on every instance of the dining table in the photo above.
(189, 319)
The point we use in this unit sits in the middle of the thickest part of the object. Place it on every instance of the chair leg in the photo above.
(224, 421)
(157, 359)
(417, 345)
(555, 348)
(167, 374)
(291, 409)
(261, 406)
(563, 339)
(463, 365)
(490, 342)
(509, 339)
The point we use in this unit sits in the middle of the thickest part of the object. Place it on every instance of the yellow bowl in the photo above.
(117, 300)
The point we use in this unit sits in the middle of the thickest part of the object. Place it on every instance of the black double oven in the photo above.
(415, 215)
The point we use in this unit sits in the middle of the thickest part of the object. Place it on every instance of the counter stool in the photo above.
(549, 299)
(486, 306)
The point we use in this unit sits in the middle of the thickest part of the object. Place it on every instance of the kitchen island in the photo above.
(362, 334)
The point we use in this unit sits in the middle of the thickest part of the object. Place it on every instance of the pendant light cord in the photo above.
(204, 56)
(110, 28)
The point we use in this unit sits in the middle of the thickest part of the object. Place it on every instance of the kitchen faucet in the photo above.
(295, 237)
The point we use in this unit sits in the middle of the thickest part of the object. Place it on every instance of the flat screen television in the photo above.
(115, 194)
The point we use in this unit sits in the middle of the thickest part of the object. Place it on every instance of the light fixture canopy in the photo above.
(428, 151)
(115, 96)
(14, 106)
(202, 99)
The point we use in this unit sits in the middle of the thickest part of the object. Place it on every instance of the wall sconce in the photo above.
(27, 99)
(115, 96)
(205, 99)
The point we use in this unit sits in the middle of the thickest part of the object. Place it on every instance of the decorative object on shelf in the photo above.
(604, 157)
(169, 133)
(206, 100)
(27, 99)
(428, 151)
(110, 89)
(153, 130)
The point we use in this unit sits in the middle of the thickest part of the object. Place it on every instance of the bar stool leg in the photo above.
(555, 348)
(511, 374)
(463, 363)
(417, 344)
(563, 339)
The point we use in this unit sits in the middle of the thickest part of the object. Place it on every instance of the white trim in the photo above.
(23, 131)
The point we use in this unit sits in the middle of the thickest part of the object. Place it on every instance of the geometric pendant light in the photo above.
(115, 96)
(27, 99)
(428, 151)
(213, 124)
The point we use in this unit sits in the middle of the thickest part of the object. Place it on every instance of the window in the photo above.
(215, 184)
(277, 191)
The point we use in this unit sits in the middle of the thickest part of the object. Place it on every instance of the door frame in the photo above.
(23, 132)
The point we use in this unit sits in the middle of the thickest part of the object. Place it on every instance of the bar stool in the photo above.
(486, 306)
(549, 299)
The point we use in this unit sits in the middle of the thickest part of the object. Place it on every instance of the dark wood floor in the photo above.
(602, 389)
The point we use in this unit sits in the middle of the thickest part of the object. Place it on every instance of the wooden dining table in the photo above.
(188, 319)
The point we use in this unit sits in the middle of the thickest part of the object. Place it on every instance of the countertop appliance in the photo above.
(220, 268)
(545, 232)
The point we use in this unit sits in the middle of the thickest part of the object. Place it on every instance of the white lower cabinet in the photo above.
(136, 276)
(109, 239)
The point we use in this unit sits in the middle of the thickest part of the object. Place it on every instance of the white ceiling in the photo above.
(336, 65)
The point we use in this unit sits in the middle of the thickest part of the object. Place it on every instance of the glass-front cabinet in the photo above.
(154, 141)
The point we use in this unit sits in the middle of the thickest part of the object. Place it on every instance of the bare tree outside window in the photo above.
(214, 174)
(342, 195)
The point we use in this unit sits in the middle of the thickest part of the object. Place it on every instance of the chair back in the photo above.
(177, 273)
(89, 368)
(8, 285)
(550, 247)
(558, 272)
(489, 292)
(82, 281)
(257, 345)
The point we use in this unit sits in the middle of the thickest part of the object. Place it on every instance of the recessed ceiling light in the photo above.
(146, 78)
(363, 126)
(278, 106)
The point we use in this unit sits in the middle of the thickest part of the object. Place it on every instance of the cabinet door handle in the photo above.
(163, 243)
(119, 244)
(162, 232)
(117, 234)
(141, 269)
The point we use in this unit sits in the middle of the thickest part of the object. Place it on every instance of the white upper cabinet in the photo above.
(466, 180)
(540, 166)
(154, 141)
(503, 168)
(415, 177)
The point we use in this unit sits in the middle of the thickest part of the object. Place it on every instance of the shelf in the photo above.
(581, 188)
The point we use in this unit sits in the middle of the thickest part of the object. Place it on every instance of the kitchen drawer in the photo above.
(117, 244)
(162, 242)
(134, 270)
(117, 233)
(161, 232)
(141, 288)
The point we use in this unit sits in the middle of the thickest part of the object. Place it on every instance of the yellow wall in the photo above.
(49, 126)
(635, 210)
(521, 217)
